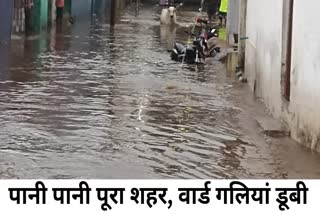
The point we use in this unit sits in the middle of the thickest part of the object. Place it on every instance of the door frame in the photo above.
(287, 31)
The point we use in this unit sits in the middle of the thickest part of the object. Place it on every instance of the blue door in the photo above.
(5, 21)
(5, 34)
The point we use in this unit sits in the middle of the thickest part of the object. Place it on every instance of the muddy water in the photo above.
(91, 101)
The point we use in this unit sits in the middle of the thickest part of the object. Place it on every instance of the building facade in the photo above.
(282, 63)
(6, 7)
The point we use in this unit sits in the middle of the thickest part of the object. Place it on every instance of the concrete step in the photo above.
(272, 127)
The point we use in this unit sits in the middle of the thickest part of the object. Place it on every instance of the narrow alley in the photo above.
(94, 101)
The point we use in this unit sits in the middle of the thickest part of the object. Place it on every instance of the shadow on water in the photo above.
(96, 100)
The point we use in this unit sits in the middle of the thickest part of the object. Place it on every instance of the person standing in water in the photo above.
(28, 11)
(212, 6)
(223, 12)
(60, 8)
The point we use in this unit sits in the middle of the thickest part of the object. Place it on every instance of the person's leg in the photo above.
(212, 11)
(220, 19)
(59, 13)
(215, 9)
(209, 14)
(28, 20)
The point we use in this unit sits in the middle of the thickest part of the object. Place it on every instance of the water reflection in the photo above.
(23, 59)
(168, 35)
(104, 95)
(4, 61)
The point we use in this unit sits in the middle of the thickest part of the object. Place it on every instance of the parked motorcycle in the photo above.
(203, 27)
(210, 50)
(191, 53)
(195, 52)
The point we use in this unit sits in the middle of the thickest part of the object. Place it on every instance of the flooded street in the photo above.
(92, 101)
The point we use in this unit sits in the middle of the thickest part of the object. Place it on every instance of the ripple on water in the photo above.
(111, 104)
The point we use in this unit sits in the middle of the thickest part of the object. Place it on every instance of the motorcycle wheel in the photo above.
(174, 56)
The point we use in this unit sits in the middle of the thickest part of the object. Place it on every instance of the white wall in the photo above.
(263, 64)
(305, 82)
(263, 50)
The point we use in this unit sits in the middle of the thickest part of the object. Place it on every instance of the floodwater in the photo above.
(94, 101)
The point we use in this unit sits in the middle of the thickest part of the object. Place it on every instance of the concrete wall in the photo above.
(265, 49)
(305, 81)
(232, 20)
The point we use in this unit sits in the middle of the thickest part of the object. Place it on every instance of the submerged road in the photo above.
(90, 101)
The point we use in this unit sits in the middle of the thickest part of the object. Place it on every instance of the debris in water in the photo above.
(171, 87)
